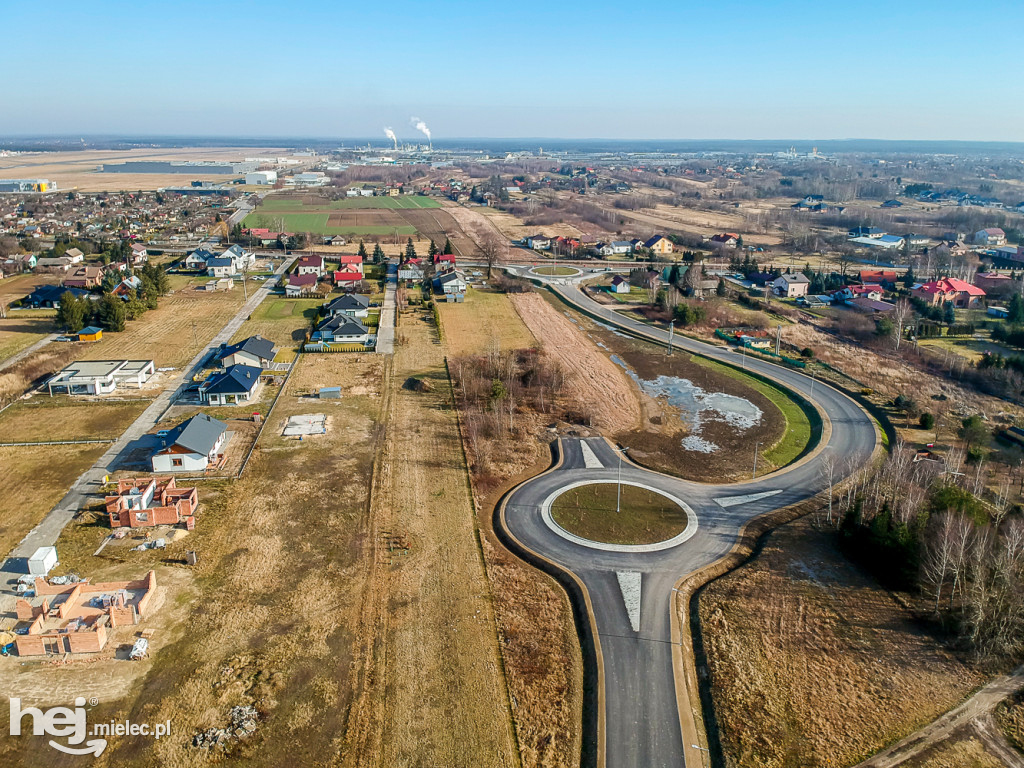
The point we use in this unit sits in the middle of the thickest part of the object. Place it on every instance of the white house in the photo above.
(620, 284)
(192, 446)
(991, 236)
(341, 329)
(100, 377)
(254, 351)
(220, 267)
(538, 242)
(615, 248)
(351, 304)
(198, 258)
(236, 384)
(792, 285)
(311, 265)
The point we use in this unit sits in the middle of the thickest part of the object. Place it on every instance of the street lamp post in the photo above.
(618, 482)
(756, 446)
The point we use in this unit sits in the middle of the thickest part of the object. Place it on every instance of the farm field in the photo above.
(484, 319)
(830, 646)
(33, 480)
(62, 418)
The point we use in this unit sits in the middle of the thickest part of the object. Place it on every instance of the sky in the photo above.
(944, 70)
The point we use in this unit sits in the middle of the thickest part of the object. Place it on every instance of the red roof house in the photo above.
(347, 277)
(350, 263)
(959, 292)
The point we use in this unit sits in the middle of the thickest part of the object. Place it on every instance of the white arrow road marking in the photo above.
(629, 585)
(590, 460)
(732, 501)
(96, 746)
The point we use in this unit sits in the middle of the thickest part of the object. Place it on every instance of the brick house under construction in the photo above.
(143, 502)
(74, 618)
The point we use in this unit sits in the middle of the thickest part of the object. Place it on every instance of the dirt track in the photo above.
(592, 378)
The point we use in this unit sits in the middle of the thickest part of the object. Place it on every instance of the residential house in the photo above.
(146, 502)
(949, 289)
(302, 285)
(350, 280)
(891, 204)
(888, 242)
(311, 265)
(725, 238)
(351, 305)
(76, 256)
(882, 277)
(658, 244)
(192, 446)
(243, 259)
(234, 385)
(410, 270)
(538, 242)
(917, 241)
(48, 296)
(816, 204)
(351, 263)
(220, 266)
(871, 306)
(620, 284)
(100, 377)
(452, 284)
(198, 258)
(341, 329)
(84, 277)
(995, 283)
(636, 244)
(55, 265)
(791, 285)
(444, 261)
(139, 255)
(1010, 252)
(254, 351)
(615, 248)
(990, 236)
(126, 286)
(851, 292)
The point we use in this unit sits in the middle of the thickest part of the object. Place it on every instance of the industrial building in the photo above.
(27, 185)
(261, 178)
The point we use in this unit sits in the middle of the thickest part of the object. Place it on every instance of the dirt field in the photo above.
(65, 418)
(33, 480)
(830, 647)
(593, 378)
(78, 169)
(485, 320)
(433, 688)
(696, 221)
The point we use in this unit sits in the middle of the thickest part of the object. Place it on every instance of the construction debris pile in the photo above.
(243, 722)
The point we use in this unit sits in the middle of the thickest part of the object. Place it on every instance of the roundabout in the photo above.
(640, 705)
(555, 271)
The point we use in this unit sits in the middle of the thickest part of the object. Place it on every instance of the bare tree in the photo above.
(827, 468)
(901, 315)
(490, 248)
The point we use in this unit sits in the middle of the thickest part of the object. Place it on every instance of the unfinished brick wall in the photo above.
(30, 645)
(70, 602)
(122, 617)
(150, 582)
(88, 641)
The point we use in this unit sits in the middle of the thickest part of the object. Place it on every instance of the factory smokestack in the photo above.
(422, 128)
(391, 135)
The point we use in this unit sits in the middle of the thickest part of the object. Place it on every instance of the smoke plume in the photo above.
(421, 127)
(391, 135)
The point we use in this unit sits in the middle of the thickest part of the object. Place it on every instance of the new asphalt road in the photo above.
(641, 725)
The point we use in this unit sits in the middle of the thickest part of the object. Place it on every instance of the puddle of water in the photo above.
(697, 406)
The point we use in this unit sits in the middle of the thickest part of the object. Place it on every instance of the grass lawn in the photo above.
(645, 517)
(556, 271)
(64, 418)
(283, 321)
(484, 316)
(797, 433)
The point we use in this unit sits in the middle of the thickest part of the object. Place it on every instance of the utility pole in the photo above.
(618, 482)
(756, 446)
(671, 334)
(778, 341)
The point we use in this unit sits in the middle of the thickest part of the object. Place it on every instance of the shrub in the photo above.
(927, 421)
(807, 352)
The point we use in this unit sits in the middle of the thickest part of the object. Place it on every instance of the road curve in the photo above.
(640, 726)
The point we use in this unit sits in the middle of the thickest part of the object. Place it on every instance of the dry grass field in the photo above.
(65, 418)
(22, 331)
(32, 480)
(171, 334)
(829, 670)
(270, 610)
(485, 320)
(78, 169)
(965, 752)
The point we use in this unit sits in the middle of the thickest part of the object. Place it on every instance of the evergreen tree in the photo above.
(739, 241)
(720, 290)
(673, 275)
(410, 250)
(447, 246)
(432, 250)
(908, 277)
(378, 253)
(71, 313)
(362, 250)
(110, 281)
(1016, 310)
(112, 313)
(949, 314)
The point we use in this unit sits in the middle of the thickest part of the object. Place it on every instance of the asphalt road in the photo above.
(642, 719)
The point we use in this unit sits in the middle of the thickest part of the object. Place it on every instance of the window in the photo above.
(142, 517)
(175, 462)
